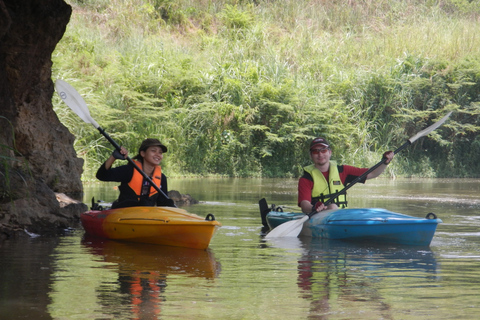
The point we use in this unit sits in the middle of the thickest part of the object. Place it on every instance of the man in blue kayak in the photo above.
(324, 178)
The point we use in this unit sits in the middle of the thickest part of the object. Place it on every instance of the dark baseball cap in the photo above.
(150, 142)
(319, 142)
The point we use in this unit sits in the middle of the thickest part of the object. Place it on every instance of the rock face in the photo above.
(37, 157)
(181, 199)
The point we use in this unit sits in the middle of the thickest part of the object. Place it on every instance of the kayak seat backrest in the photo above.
(264, 210)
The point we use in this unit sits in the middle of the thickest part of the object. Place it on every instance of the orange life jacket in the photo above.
(137, 180)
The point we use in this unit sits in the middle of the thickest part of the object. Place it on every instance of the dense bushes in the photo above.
(239, 88)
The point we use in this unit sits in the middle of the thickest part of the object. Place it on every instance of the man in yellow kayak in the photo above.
(135, 190)
(324, 178)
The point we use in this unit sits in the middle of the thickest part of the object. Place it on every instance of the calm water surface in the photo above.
(243, 277)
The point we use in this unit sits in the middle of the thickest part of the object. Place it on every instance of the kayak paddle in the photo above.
(75, 102)
(294, 227)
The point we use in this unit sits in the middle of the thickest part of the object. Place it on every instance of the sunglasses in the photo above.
(317, 151)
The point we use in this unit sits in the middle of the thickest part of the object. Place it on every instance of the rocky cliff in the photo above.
(37, 159)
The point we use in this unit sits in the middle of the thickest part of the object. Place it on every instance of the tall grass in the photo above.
(239, 88)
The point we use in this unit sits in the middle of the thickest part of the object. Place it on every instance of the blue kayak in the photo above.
(363, 224)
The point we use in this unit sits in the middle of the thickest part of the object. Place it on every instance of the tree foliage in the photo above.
(239, 88)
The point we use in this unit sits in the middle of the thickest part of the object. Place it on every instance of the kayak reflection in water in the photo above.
(143, 271)
(324, 178)
(135, 190)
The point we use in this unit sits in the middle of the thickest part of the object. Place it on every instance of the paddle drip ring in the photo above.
(279, 209)
(431, 215)
(210, 217)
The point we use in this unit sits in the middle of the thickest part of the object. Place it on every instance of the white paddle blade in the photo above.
(74, 101)
(426, 131)
(288, 229)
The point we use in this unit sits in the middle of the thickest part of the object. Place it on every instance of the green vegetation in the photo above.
(239, 88)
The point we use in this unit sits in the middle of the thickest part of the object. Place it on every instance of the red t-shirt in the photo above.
(347, 175)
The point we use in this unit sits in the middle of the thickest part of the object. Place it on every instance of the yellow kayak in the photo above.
(156, 225)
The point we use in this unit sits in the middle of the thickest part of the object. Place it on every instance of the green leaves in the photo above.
(239, 89)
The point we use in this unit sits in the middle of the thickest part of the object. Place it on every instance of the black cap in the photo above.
(321, 142)
(150, 142)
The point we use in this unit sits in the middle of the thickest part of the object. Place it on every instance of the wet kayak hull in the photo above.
(156, 225)
(365, 224)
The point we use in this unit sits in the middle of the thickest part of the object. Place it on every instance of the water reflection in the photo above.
(101, 277)
(143, 270)
(136, 258)
(25, 269)
(73, 277)
(332, 273)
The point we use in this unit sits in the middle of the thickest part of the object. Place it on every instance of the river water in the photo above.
(241, 276)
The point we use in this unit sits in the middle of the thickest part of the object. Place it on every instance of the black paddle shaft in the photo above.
(116, 146)
(357, 179)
